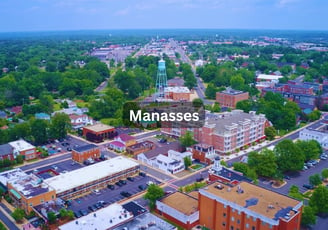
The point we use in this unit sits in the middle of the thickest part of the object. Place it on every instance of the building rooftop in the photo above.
(102, 219)
(177, 89)
(117, 144)
(268, 77)
(222, 121)
(21, 145)
(163, 150)
(255, 199)
(230, 91)
(13, 174)
(99, 127)
(146, 221)
(84, 148)
(82, 176)
(181, 202)
(6, 149)
(141, 145)
(125, 137)
(177, 81)
(29, 186)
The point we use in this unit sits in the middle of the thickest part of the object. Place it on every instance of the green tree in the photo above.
(18, 215)
(51, 216)
(264, 163)
(314, 115)
(20, 159)
(154, 192)
(315, 179)
(270, 132)
(70, 214)
(63, 213)
(311, 149)
(245, 105)
(2, 226)
(324, 173)
(187, 162)
(187, 139)
(60, 125)
(210, 91)
(216, 108)
(197, 102)
(319, 200)
(308, 216)
(289, 156)
(241, 167)
(39, 130)
(237, 82)
(294, 192)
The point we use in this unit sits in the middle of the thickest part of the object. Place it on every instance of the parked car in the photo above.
(163, 140)
(54, 167)
(83, 212)
(323, 158)
(69, 149)
(97, 206)
(118, 183)
(123, 182)
(111, 187)
(305, 167)
(142, 174)
(142, 187)
(130, 178)
(287, 177)
(92, 208)
(77, 214)
(199, 179)
(125, 194)
(308, 186)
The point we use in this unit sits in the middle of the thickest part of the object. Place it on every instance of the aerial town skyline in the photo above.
(45, 15)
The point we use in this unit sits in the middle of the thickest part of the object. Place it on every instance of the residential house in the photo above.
(6, 152)
(126, 139)
(42, 116)
(79, 121)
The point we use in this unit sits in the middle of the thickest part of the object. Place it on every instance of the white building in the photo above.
(94, 176)
(79, 121)
(171, 164)
(268, 77)
(311, 134)
(23, 148)
(103, 219)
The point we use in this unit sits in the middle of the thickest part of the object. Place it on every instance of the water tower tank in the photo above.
(161, 64)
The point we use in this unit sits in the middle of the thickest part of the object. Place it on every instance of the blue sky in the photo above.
(36, 15)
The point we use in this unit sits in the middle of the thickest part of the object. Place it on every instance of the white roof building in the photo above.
(268, 77)
(105, 218)
(10, 175)
(311, 134)
(176, 89)
(85, 175)
(21, 145)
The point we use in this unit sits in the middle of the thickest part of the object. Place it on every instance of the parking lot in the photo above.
(62, 145)
(110, 196)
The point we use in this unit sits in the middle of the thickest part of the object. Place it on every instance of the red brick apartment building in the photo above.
(82, 153)
(230, 97)
(247, 207)
(227, 131)
(177, 93)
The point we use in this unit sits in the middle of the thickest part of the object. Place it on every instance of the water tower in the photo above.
(161, 81)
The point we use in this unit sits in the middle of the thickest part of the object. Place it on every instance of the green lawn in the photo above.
(196, 166)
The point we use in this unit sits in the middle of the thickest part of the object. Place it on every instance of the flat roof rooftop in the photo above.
(230, 91)
(98, 127)
(85, 148)
(269, 77)
(181, 202)
(21, 145)
(73, 179)
(177, 89)
(29, 186)
(259, 200)
(102, 219)
(13, 174)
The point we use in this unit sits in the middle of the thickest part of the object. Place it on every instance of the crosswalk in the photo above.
(170, 184)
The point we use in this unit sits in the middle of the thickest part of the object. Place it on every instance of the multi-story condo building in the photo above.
(321, 136)
(245, 206)
(227, 131)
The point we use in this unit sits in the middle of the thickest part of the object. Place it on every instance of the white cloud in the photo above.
(122, 12)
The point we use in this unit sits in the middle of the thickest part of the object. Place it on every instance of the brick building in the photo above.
(180, 208)
(230, 97)
(99, 132)
(26, 190)
(227, 131)
(6, 152)
(244, 206)
(24, 148)
(82, 153)
(140, 147)
(177, 93)
(203, 153)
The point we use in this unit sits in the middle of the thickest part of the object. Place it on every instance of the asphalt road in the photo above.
(7, 221)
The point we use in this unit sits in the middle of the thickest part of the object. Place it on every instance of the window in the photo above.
(238, 221)
(247, 225)
(231, 227)
(41, 200)
(223, 224)
(224, 214)
(232, 218)
(31, 204)
(253, 228)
